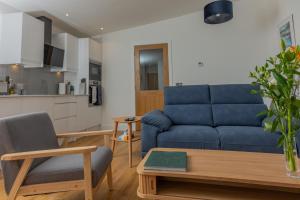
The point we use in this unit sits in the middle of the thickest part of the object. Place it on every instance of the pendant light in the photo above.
(218, 12)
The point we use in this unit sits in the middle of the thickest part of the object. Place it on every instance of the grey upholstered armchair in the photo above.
(33, 163)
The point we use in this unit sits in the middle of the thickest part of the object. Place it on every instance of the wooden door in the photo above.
(151, 76)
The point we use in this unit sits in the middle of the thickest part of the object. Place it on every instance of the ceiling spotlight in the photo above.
(101, 28)
(67, 14)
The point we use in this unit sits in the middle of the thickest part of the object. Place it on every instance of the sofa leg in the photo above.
(109, 177)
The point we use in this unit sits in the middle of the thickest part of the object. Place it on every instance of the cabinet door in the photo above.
(10, 106)
(72, 53)
(11, 38)
(95, 51)
(32, 42)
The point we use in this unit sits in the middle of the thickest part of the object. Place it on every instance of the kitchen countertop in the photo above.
(39, 95)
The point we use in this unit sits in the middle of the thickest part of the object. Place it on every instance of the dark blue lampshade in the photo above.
(218, 12)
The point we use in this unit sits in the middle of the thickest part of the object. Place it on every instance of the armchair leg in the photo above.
(88, 176)
(109, 177)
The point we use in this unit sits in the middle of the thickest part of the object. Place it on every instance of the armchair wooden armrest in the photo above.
(48, 153)
(86, 133)
(105, 133)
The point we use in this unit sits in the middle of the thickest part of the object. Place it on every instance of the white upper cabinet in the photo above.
(70, 44)
(22, 40)
(95, 50)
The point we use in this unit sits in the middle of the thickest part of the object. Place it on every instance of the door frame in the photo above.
(137, 49)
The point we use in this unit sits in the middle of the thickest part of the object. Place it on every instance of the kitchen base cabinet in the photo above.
(68, 113)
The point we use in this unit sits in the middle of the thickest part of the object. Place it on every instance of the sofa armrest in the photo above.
(148, 138)
(158, 119)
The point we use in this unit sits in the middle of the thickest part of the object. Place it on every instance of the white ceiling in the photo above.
(4, 8)
(87, 16)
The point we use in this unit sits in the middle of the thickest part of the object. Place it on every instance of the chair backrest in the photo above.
(21, 133)
(188, 105)
(234, 105)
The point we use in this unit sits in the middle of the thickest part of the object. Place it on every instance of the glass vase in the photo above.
(291, 158)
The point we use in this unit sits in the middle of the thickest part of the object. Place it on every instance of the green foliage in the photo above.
(279, 81)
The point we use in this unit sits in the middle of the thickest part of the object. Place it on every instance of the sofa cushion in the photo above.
(158, 119)
(190, 114)
(238, 114)
(69, 168)
(234, 94)
(184, 136)
(246, 138)
(193, 94)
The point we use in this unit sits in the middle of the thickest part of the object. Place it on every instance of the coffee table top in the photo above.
(228, 167)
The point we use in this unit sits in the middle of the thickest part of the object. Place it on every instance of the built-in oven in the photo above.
(95, 88)
(95, 71)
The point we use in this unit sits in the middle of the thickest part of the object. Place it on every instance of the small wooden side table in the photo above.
(122, 120)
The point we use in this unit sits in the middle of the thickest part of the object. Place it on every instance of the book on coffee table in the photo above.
(167, 161)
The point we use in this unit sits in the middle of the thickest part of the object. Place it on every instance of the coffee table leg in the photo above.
(147, 185)
(130, 144)
(114, 137)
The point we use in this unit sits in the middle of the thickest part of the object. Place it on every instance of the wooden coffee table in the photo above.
(221, 175)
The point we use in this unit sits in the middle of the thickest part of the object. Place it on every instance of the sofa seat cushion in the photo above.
(69, 168)
(247, 138)
(189, 136)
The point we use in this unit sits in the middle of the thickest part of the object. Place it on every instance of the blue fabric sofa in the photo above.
(217, 117)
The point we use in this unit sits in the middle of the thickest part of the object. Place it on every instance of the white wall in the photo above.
(287, 8)
(229, 51)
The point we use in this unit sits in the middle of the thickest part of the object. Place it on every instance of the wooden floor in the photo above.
(125, 179)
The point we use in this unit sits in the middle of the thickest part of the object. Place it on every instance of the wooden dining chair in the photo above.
(33, 163)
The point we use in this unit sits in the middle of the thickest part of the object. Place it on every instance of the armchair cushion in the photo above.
(157, 119)
(70, 168)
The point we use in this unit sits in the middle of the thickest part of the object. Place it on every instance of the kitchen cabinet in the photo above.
(68, 113)
(22, 40)
(95, 51)
(10, 107)
(70, 44)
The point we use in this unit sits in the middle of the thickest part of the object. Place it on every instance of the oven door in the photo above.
(95, 71)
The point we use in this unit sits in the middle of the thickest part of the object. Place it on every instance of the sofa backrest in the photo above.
(188, 105)
(234, 105)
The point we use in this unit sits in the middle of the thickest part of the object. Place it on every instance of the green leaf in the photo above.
(275, 125)
(268, 126)
(279, 78)
(283, 46)
(280, 141)
(290, 56)
(262, 113)
(296, 103)
(253, 92)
